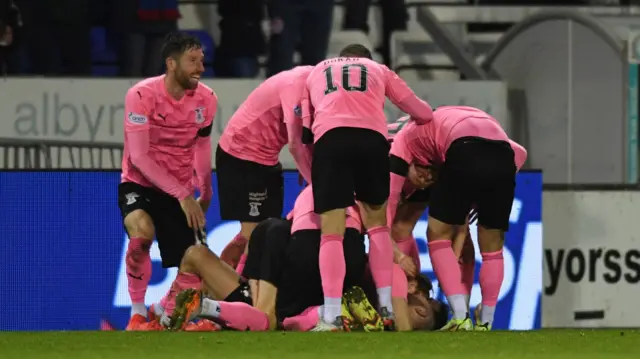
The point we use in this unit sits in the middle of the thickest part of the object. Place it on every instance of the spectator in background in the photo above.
(10, 25)
(394, 17)
(59, 37)
(141, 27)
(306, 23)
(241, 38)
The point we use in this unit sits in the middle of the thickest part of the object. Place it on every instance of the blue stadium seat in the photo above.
(209, 48)
(101, 50)
(103, 56)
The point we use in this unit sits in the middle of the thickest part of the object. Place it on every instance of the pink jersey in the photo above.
(428, 144)
(305, 218)
(269, 119)
(166, 140)
(351, 91)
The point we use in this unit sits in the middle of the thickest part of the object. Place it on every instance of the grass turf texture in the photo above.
(583, 344)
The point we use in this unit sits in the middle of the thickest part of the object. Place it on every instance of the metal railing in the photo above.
(50, 154)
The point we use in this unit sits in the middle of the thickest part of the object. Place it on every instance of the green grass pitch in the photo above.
(542, 344)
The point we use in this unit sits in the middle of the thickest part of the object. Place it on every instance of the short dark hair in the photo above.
(440, 317)
(176, 43)
(424, 285)
(356, 50)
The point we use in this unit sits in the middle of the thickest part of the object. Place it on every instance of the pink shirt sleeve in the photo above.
(520, 154)
(202, 155)
(136, 128)
(291, 102)
(398, 149)
(307, 116)
(405, 99)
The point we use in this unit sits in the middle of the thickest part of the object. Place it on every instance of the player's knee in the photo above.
(437, 230)
(374, 215)
(401, 229)
(333, 221)
(246, 229)
(139, 224)
(192, 258)
(490, 240)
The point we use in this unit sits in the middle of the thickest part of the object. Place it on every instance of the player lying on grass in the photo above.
(476, 165)
(288, 282)
(297, 301)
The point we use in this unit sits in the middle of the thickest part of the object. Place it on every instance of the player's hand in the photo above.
(408, 266)
(193, 212)
(204, 204)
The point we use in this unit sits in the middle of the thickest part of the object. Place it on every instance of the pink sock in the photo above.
(381, 263)
(242, 316)
(138, 263)
(332, 271)
(182, 282)
(491, 277)
(243, 261)
(409, 247)
(303, 322)
(233, 250)
(447, 270)
(468, 272)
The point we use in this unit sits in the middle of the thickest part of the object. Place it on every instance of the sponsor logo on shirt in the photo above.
(137, 119)
(297, 111)
(199, 114)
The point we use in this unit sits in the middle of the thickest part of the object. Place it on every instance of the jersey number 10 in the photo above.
(346, 71)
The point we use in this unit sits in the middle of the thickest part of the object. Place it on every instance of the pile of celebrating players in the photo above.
(360, 176)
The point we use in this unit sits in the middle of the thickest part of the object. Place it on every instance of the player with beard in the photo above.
(167, 124)
(476, 165)
(250, 183)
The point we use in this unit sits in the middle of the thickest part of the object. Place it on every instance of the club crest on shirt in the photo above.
(297, 111)
(137, 119)
(199, 114)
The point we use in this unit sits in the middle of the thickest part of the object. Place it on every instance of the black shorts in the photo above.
(419, 196)
(242, 294)
(475, 171)
(248, 191)
(346, 161)
(172, 231)
(267, 255)
(301, 285)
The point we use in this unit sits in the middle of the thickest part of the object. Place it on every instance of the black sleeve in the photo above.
(398, 166)
(205, 131)
(307, 136)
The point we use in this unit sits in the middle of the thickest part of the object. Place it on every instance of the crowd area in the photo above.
(60, 37)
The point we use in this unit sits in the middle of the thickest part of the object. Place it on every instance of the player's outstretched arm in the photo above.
(292, 109)
(136, 127)
(401, 95)
(400, 287)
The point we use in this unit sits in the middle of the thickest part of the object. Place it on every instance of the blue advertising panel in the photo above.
(62, 250)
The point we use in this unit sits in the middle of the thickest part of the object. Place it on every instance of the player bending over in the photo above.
(344, 118)
(414, 201)
(167, 124)
(250, 183)
(476, 165)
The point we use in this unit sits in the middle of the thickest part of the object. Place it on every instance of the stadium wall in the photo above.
(63, 246)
